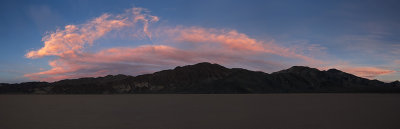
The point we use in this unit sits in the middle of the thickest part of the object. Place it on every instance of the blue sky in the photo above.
(359, 37)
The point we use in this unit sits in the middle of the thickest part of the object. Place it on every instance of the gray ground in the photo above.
(275, 111)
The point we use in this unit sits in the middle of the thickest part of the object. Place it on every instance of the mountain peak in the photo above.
(395, 83)
(181, 74)
(298, 69)
(206, 64)
(334, 71)
(202, 65)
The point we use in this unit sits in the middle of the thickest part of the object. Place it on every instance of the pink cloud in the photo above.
(73, 38)
(368, 72)
(231, 39)
(362, 71)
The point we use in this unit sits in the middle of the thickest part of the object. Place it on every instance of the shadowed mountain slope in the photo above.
(211, 78)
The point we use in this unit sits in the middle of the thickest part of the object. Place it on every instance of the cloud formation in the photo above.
(175, 46)
(361, 71)
(73, 38)
(233, 40)
(138, 60)
(368, 72)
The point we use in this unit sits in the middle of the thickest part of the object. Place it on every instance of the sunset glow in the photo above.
(142, 38)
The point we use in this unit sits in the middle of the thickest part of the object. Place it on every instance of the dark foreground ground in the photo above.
(274, 111)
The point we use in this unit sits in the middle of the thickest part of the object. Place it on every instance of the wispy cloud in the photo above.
(369, 72)
(233, 40)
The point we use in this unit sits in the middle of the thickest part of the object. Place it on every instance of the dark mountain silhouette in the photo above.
(212, 78)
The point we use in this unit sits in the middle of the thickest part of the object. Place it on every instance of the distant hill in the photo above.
(211, 78)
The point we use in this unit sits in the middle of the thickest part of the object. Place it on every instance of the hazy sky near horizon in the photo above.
(52, 40)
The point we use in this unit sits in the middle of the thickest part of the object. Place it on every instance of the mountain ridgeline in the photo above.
(211, 78)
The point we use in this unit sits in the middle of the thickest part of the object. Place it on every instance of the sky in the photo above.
(54, 40)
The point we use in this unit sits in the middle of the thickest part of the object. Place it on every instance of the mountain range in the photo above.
(211, 78)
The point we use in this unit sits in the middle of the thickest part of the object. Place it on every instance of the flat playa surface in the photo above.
(184, 111)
